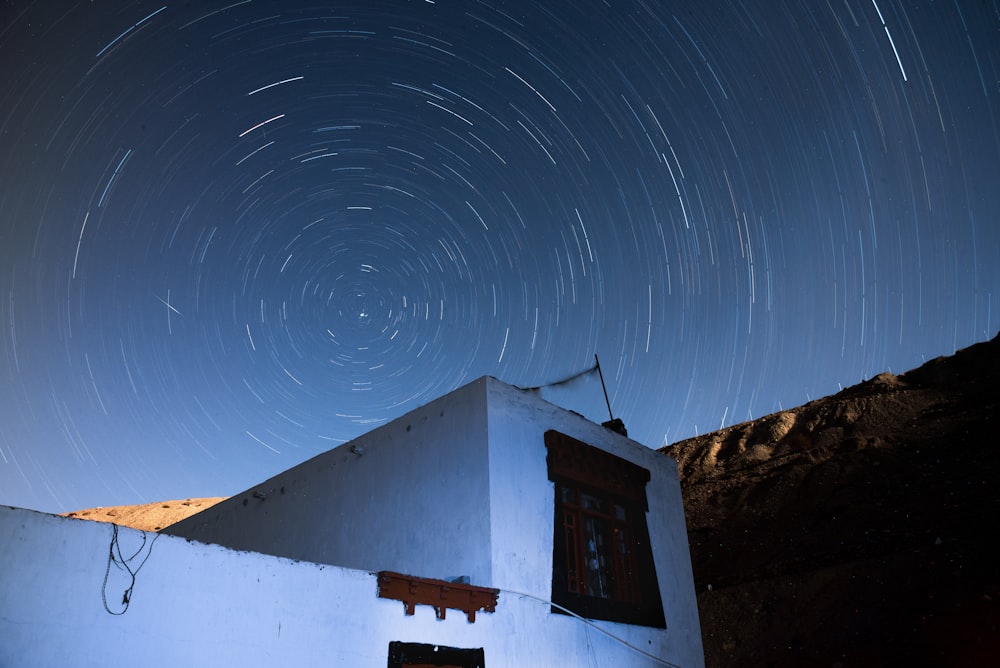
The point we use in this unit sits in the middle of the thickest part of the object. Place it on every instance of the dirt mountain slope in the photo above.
(861, 529)
(147, 516)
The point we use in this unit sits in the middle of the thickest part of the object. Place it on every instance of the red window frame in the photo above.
(598, 533)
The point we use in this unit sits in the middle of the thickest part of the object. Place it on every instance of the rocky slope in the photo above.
(860, 529)
(147, 516)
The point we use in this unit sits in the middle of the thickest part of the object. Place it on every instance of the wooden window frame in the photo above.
(602, 496)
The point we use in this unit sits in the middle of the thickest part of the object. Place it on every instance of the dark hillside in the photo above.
(861, 529)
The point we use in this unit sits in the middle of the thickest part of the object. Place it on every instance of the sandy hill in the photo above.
(857, 530)
(148, 516)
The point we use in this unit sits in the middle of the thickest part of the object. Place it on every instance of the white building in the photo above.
(488, 527)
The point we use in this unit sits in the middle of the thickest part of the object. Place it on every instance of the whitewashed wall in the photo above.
(205, 605)
(411, 496)
(457, 487)
(522, 514)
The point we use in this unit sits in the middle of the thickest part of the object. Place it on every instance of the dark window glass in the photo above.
(416, 655)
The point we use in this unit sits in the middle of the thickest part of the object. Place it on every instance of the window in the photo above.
(419, 655)
(602, 562)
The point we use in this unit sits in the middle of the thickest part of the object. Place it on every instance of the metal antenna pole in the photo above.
(604, 387)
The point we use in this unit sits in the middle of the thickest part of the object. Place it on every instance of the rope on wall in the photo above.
(592, 625)
(121, 563)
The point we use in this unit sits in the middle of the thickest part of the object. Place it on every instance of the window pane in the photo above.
(596, 557)
(594, 503)
(624, 566)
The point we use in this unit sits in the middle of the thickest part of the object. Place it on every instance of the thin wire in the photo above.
(591, 653)
(593, 626)
(127, 595)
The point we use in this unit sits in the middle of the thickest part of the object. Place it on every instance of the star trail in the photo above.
(235, 235)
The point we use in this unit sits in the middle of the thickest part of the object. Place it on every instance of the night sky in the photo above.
(234, 235)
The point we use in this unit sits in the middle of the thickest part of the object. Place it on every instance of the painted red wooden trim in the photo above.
(440, 594)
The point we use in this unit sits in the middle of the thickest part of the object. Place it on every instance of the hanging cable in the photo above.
(592, 625)
(121, 563)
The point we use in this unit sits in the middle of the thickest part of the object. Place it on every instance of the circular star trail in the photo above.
(234, 235)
